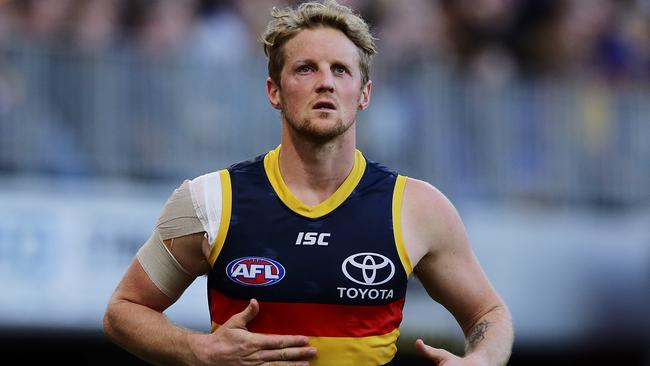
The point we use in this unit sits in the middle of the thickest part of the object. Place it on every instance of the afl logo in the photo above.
(368, 269)
(255, 271)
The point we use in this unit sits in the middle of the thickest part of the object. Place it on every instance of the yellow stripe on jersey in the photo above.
(398, 195)
(226, 209)
(351, 351)
(272, 168)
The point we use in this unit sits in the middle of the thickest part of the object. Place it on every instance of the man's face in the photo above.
(320, 89)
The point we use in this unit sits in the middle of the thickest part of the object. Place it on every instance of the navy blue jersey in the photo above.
(336, 272)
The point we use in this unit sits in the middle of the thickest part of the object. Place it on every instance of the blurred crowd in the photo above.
(491, 39)
(547, 96)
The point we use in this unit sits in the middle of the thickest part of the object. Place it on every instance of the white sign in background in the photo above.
(63, 253)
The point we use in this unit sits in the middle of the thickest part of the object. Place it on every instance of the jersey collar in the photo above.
(272, 168)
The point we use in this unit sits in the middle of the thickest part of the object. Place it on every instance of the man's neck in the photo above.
(313, 172)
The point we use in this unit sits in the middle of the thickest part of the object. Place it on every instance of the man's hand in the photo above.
(233, 344)
(440, 356)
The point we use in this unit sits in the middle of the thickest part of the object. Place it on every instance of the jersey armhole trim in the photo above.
(224, 223)
(398, 196)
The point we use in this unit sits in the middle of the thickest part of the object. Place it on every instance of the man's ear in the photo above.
(273, 93)
(364, 97)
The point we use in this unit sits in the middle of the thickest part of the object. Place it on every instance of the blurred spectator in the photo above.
(95, 24)
(32, 128)
(623, 50)
(478, 33)
(160, 27)
(41, 19)
(157, 40)
(132, 80)
(222, 37)
(8, 22)
(425, 37)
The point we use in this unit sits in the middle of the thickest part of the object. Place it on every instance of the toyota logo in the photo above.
(371, 269)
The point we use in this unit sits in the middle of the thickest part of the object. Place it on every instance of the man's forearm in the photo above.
(489, 341)
(147, 334)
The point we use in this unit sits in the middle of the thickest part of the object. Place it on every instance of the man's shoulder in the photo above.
(429, 207)
(431, 222)
(422, 192)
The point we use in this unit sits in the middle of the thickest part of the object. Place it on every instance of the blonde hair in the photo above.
(288, 22)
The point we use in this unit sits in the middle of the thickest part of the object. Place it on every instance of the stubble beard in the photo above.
(310, 130)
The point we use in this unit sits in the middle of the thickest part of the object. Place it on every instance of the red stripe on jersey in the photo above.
(316, 320)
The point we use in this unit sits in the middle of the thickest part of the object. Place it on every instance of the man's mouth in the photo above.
(324, 105)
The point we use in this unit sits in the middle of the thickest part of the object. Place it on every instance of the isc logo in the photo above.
(311, 238)
(255, 271)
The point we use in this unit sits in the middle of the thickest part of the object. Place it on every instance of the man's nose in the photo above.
(325, 81)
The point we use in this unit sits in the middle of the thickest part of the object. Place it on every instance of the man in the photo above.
(307, 248)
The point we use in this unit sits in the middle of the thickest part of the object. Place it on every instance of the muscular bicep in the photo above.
(157, 279)
(137, 287)
(455, 279)
(176, 251)
(173, 256)
(445, 262)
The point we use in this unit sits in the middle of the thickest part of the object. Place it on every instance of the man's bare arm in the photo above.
(495, 327)
(134, 320)
(446, 266)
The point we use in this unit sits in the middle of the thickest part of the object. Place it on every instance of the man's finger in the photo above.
(287, 354)
(275, 342)
(434, 354)
(240, 320)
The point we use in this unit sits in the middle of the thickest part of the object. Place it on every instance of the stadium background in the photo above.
(533, 116)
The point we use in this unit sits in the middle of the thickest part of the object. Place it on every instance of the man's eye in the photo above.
(304, 68)
(340, 69)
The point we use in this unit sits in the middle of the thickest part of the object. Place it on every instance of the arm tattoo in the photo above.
(477, 334)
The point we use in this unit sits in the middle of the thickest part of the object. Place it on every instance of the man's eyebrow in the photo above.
(304, 61)
(311, 61)
(341, 63)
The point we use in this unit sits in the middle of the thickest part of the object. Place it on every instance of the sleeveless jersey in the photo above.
(336, 272)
